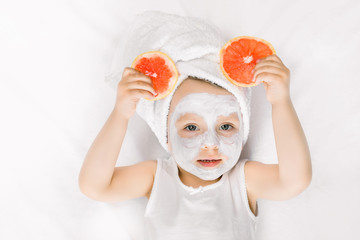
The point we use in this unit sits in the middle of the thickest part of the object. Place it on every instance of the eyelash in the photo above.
(220, 126)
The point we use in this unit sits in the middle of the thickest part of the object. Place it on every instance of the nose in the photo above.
(206, 147)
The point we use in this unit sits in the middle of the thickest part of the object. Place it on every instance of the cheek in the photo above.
(189, 142)
(231, 138)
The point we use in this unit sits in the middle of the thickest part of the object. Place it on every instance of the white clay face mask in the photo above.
(203, 120)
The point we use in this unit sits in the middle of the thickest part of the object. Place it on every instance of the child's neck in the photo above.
(193, 181)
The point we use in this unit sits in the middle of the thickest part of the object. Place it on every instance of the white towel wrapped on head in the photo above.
(193, 45)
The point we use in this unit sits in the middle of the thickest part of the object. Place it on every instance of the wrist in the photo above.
(284, 102)
(119, 114)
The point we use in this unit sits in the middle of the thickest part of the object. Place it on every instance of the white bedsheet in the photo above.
(54, 56)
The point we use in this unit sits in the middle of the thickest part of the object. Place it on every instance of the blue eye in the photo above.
(192, 127)
(226, 128)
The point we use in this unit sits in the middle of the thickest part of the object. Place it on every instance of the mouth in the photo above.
(209, 162)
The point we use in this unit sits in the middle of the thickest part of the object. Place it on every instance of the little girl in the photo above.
(203, 190)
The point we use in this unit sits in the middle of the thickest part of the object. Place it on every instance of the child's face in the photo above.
(204, 123)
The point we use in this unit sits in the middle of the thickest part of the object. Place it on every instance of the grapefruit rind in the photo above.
(222, 50)
(168, 62)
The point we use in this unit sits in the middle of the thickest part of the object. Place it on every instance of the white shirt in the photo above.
(217, 211)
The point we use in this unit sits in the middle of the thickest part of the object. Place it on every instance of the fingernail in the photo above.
(257, 60)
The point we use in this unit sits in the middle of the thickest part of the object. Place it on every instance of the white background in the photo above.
(54, 56)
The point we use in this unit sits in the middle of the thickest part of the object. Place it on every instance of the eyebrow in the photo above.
(233, 117)
(187, 119)
(196, 117)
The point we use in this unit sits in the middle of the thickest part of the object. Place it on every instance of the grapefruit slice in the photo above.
(160, 68)
(238, 58)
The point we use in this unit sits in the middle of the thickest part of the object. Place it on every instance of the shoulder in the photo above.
(250, 166)
(246, 172)
(263, 181)
(151, 165)
(254, 169)
(130, 182)
(157, 164)
(240, 166)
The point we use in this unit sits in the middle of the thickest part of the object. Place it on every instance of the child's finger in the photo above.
(267, 62)
(140, 93)
(266, 77)
(273, 57)
(269, 69)
(132, 75)
(141, 85)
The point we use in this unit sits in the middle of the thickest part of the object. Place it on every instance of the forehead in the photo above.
(189, 86)
(196, 117)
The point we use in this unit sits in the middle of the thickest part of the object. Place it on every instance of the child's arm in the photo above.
(291, 146)
(98, 178)
(294, 159)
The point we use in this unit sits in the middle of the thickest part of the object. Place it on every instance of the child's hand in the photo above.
(276, 78)
(133, 86)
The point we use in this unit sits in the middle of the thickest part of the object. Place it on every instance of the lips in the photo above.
(209, 162)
